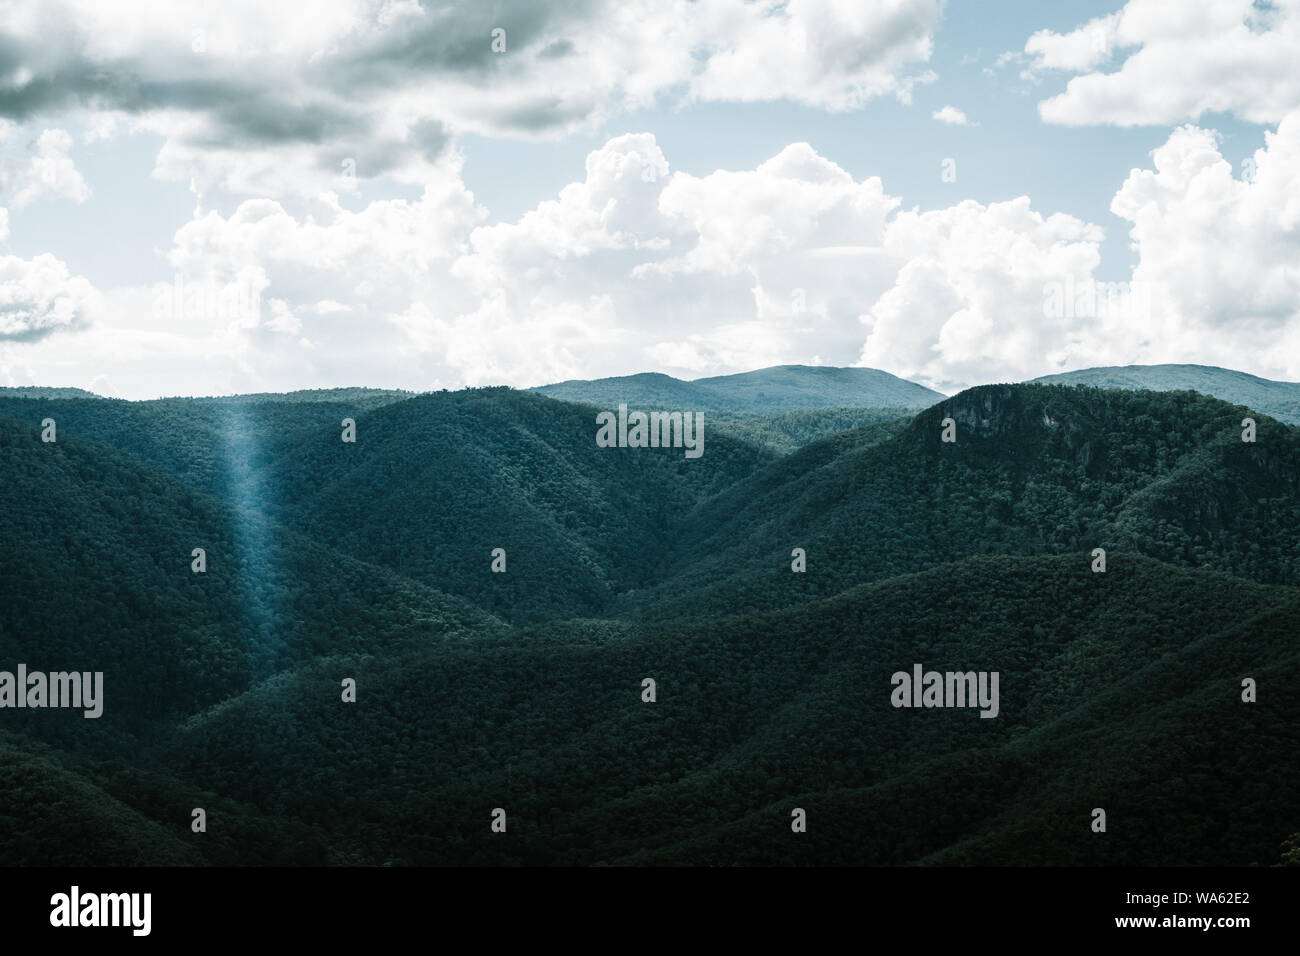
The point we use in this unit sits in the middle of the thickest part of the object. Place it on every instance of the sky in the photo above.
(205, 198)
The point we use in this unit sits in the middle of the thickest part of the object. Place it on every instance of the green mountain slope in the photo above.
(1112, 687)
(784, 432)
(1035, 469)
(208, 443)
(433, 485)
(97, 576)
(1281, 400)
(523, 690)
(61, 809)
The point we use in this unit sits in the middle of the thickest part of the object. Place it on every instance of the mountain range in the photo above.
(524, 688)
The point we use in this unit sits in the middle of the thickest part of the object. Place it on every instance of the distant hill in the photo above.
(356, 397)
(1278, 399)
(41, 392)
(782, 388)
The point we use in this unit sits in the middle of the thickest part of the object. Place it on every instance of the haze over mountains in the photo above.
(523, 689)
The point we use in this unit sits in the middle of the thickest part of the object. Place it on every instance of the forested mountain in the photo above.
(355, 398)
(782, 388)
(784, 432)
(1035, 469)
(208, 443)
(758, 715)
(433, 485)
(372, 560)
(97, 571)
(1281, 400)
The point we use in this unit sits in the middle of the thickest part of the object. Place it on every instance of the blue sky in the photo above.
(624, 188)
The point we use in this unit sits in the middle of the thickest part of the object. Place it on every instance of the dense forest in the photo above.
(523, 688)
(1281, 400)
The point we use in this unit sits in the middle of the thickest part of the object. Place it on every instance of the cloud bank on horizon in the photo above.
(334, 240)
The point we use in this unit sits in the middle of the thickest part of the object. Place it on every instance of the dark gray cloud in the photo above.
(555, 50)
(393, 82)
(266, 102)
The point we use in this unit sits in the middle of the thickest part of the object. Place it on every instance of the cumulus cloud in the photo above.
(951, 115)
(258, 98)
(45, 171)
(834, 54)
(690, 274)
(1077, 51)
(630, 266)
(1001, 292)
(388, 244)
(39, 297)
(968, 301)
(322, 293)
(636, 266)
(792, 247)
(1179, 62)
(1220, 250)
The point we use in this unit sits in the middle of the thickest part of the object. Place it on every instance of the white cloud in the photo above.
(1077, 51)
(637, 267)
(39, 296)
(1216, 280)
(791, 203)
(690, 274)
(834, 54)
(48, 172)
(1222, 251)
(967, 303)
(1182, 60)
(952, 115)
(332, 256)
(260, 99)
(628, 266)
